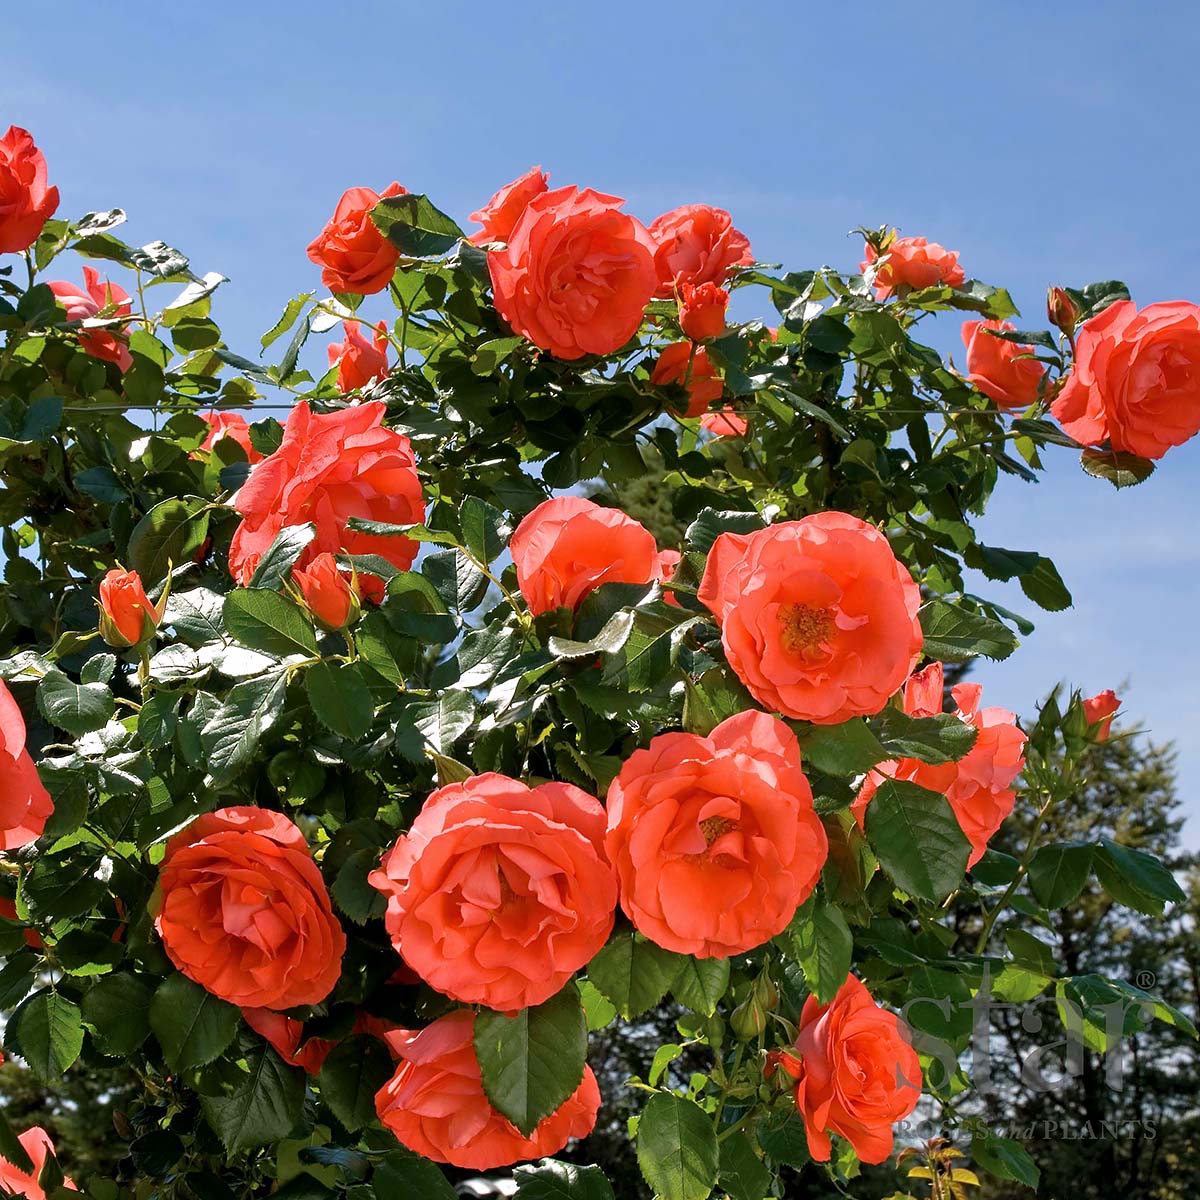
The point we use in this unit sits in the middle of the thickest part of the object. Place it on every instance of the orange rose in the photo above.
(285, 1036)
(725, 423)
(499, 892)
(568, 546)
(1136, 379)
(37, 1144)
(229, 425)
(329, 468)
(351, 252)
(576, 274)
(436, 1106)
(501, 213)
(714, 839)
(996, 368)
(26, 203)
(818, 617)
(24, 802)
(856, 1073)
(696, 244)
(358, 361)
(96, 299)
(1101, 708)
(330, 594)
(913, 262)
(979, 785)
(704, 383)
(127, 617)
(702, 310)
(242, 910)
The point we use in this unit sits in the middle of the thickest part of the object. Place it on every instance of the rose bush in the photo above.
(354, 767)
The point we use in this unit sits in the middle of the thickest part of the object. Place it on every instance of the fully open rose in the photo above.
(500, 892)
(912, 262)
(501, 213)
(24, 802)
(27, 202)
(696, 244)
(817, 616)
(96, 299)
(714, 839)
(242, 910)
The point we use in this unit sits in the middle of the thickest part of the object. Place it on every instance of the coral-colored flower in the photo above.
(24, 802)
(576, 274)
(37, 1144)
(501, 213)
(725, 423)
(996, 368)
(127, 615)
(696, 244)
(856, 1073)
(352, 253)
(242, 910)
(818, 617)
(1101, 708)
(8, 910)
(90, 300)
(229, 425)
(26, 202)
(499, 892)
(704, 383)
(329, 592)
(436, 1106)
(913, 262)
(568, 546)
(359, 362)
(978, 786)
(286, 1037)
(702, 310)
(714, 839)
(327, 469)
(1136, 379)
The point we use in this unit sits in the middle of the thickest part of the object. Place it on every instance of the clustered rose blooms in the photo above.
(435, 1103)
(1100, 709)
(1136, 379)
(37, 1144)
(352, 253)
(567, 547)
(818, 617)
(913, 262)
(714, 839)
(26, 201)
(331, 594)
(501, 213)
(704, 384)
(128, 617)
(576, 274)
(696, 244)
(242, 910)
(997, 366)
(500, 892)
(24, 802)
(979, 785)
(327, 469)
(359, 362)
(94, 297)
(702, 310)
(229, 425)
(856, 1073)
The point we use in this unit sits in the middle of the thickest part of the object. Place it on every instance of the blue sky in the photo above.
(1046, 143)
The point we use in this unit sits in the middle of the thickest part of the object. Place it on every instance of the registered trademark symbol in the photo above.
(1145, 980)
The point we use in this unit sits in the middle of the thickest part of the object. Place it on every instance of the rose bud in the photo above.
(127, 617)
(1061, 310)
(702, 310)
(330, 594)
(1099, 711)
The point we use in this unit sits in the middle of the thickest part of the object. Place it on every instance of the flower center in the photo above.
(714, 827)
(802, 629)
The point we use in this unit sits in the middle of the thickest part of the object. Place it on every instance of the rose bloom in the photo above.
(435, 1103)
(501, 213)
(726, 423)
(576, 274)
(856, 1073)
(286, 1037)
(129, 615)
(327, 469)
(329, 592)
(359, 362)
(352, 253)
(995, 367)
(702, 310)
(1101, 707)
(37, 1144)
(818, 617)
(696, 244)
(82, 303)
(714, 839)
(8, 910)
(913, 262)
(229, 425)
(979, 785)
(704, 384)
(499, 892)
(1136, 379)
(26, 203)
(242, 910)
(24, 802)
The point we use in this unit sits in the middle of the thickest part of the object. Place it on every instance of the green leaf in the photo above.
(710, 524)
(850, 748)
(76, 707)
(941, 738)
(531, 1063)
(917, 839)
(1058, 871)
(1134, 878)
(13, 1152)
(117, 1011)
(158, 720)
(714, 697)
(264, 620)
(192, 1025)
(1120, 468)
(294, 308)
(264, 1104)
(677, 1148)
(597, 1008)
(340, 698)
(275, 567)
(231, 733)
(352, 1073)
(551, 1180)
(742, 1174)
(352, 891)
(821, 942)
(633, 973)
(609, 640)
(445, 720)
(403, 1175)
(955, 634)
(485, 529)
(196, 615)
(1004, 1158)
(168, 536)
(701, 983)
(414, 226)
(782, 1137)
(46, 1031)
